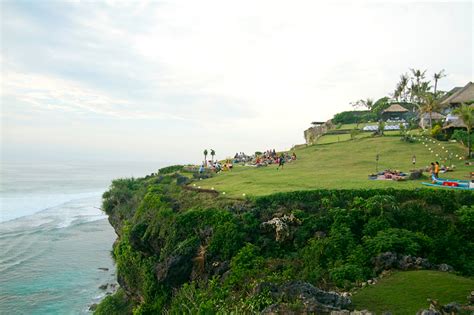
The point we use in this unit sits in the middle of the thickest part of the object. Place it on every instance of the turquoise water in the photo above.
(54, 238)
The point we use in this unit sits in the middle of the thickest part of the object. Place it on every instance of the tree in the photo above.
(213, 153)
(368, 103)
(401, 92)
(429, 104)
(205, 157)
(466, 114)
(438, 76)
(416, 89)
(380, 105)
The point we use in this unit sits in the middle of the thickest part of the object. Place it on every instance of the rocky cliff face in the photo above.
(313, 133)
(189, 251)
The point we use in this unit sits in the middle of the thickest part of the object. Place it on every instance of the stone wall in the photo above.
(313, 133)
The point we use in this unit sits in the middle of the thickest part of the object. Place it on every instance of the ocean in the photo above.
(55, 242)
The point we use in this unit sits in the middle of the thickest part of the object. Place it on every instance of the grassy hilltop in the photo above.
(319, 223)
(339, 165)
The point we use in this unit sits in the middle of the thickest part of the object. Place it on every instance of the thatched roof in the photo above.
(449, 93)
(463, 95)
(434, 116)
(395, 108)
(458, 123)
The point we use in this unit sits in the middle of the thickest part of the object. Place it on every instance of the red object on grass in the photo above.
(451, 184)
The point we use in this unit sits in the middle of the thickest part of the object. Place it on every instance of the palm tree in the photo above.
(368, 103)
(400, 89)
(429, 105)
(213, 153)
(418, 74)
(466, 114)
(205, 157)
(436, 77)
(415, 89)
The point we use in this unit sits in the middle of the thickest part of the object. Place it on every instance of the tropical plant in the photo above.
(213, 153)
(466, 114)
(205, 156)
(429, 104)
(438, 76)
(367, 103)
(416, 88)
(381, 128)
(354, 133)
(401, 90)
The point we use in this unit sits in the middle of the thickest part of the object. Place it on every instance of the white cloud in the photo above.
(49, 93)
(254, 72)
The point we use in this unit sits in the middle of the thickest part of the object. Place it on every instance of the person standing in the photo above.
(432, 172)
(436, 170)
(281, 161)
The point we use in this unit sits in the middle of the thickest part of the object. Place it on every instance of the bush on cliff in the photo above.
(177, 246)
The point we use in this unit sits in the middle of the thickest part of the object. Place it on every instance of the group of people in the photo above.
(241, 157)
(257, 160)
(435, 169)
(216, 166)
(271, 157)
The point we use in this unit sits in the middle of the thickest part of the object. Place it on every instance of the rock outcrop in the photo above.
(312, 299)
(313, 133)
(389, 260)
(282, 225)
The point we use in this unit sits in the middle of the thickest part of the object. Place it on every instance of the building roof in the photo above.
(434, 116)
(463, 95)
(458, 123)
(395, 108)
(449, 93)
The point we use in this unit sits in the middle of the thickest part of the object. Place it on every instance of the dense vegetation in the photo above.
(183, 251)
(352, 117)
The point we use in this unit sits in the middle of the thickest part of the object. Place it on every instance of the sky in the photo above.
(164, 80)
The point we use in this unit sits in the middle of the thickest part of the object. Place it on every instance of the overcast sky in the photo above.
(158, 80)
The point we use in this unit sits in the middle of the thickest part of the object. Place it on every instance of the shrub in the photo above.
(116, 304)
(343, 275)
(245, 264)
(170, 169)
(466, 217)
(227, 239)
(397, 240)
(462, 136)
(352, 117)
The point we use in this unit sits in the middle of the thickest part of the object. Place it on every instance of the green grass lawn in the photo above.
(406, 292)
(340, 138)
(339, 165)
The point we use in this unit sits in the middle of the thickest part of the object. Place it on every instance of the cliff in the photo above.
(313, 133)
(190, 251)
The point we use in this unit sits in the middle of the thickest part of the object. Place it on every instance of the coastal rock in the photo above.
(314, 300)
(174, 270)
(93, 307)
(103, 286)
(355, 312)
(445, 268)
(389, 260)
